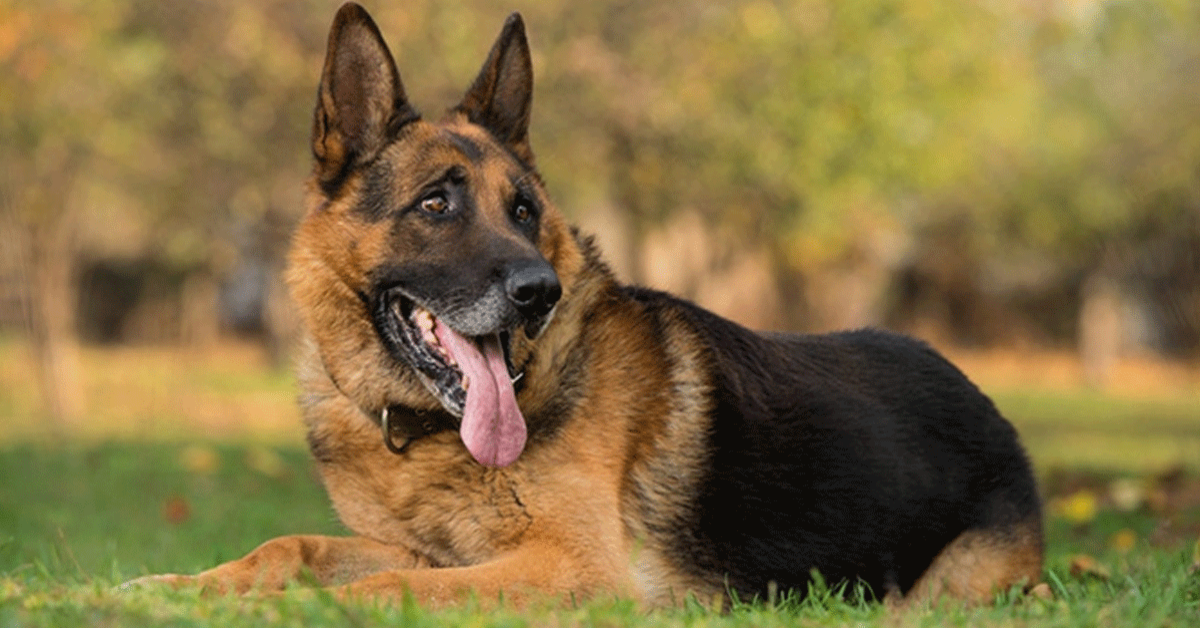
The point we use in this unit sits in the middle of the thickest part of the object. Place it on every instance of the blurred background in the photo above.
(1017, 181)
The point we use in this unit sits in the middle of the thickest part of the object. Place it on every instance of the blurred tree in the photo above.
(962, 154)
(66, 73)
(237, 91)
(1107, 185)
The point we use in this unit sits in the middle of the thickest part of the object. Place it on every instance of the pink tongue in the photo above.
(492, 426)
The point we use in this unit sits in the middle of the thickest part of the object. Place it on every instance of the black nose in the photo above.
(532, 287)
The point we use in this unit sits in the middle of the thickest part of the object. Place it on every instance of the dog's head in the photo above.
(431, 257)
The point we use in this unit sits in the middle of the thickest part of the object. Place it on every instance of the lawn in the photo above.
(152, 486)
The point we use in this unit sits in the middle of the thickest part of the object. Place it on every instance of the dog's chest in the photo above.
(444, 507)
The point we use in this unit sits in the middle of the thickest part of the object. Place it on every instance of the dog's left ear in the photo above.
(501, 97)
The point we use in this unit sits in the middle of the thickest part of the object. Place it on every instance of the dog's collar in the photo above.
(407, 427)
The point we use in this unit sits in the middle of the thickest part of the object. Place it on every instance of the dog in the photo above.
(494, 415)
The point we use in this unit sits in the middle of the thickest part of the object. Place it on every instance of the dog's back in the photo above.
(863, 453)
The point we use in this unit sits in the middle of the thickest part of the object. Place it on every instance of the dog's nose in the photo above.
(532, 287)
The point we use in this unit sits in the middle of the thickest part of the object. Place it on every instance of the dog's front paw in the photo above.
(174, 581)
(206, 584)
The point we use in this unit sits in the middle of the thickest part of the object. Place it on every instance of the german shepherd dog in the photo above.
(493, 414)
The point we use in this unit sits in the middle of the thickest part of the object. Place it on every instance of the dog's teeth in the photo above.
(424, 319)
(466, 382)
(444, 352)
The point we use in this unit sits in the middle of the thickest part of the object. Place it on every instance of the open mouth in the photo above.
(470, 376)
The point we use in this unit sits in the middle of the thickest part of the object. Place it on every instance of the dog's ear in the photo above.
(501, 97)
(361, 103)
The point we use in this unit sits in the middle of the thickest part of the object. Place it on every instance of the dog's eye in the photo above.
(435, 204)
(522, 213)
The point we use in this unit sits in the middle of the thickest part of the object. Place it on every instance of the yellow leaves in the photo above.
(1157, 495)
(1078, 508)
(206, 460)
(10, 589)
(37, 601)
(1119, 522)
(199, 459)
(265, 461)
(761, 20)
(14, 29)
(1123, 540)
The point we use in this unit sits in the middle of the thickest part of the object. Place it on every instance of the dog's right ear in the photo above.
(501, 97)
(361, 103)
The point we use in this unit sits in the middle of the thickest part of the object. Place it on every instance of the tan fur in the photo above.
(583, 509)
(551, 523)
(981, 563)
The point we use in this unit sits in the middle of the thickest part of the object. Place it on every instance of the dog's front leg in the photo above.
(526, 574)
(327, 560)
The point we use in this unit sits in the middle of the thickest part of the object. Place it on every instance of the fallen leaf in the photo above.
(1158, 500)
(266, 461)
(1042, 592)
(1127, 494)
(1079, 507)
(1084, 566)
(1172, 478)
(199, 459)
(10, 590)
(176, 510)
(1123, 540)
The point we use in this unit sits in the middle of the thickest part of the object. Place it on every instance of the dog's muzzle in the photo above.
(462, 353)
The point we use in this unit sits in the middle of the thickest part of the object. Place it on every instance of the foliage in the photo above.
(957, 168)
(816, 122)
(179, 119)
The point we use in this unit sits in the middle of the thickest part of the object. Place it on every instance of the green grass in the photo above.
(1088, 429)
(186, 460)
(116, 511)
(74, 521)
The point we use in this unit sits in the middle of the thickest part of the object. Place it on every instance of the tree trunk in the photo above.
(51, 322)
(199, 324)
(1100, 328)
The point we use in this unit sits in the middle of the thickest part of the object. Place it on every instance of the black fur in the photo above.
(859, 454)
